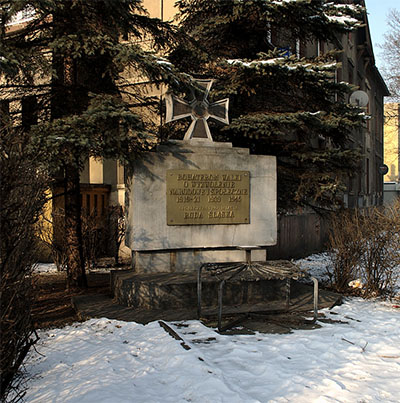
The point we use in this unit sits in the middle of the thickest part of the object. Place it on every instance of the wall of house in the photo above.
(391, 192)
(358, 68)
(111, 172)
(392, 137)
(163, 9)
(102, 189)
(108, 172)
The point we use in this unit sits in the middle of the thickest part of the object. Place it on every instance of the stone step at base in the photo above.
(179, 290)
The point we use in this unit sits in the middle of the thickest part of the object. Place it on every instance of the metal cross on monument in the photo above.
(199, 109)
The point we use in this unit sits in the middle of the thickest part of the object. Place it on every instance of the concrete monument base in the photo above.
(157, 233)
(189, 260)
(179, 290)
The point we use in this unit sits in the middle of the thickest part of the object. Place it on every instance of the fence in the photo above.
(299, 236)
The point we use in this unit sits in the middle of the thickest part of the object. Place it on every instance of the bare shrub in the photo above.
(51, 230)
(22, 196)
(366, 245)
(101, 236)
(52, 233)
(346, 241)
(381, 258)
(117, 228)
(93, 234)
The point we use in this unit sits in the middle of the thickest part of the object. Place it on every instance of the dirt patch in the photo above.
(52, 302)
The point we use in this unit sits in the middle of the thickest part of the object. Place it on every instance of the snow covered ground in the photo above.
(317, 265)
(354, 357)
(44, 268)
(51, 268)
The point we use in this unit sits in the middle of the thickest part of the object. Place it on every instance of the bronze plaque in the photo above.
(196, 197)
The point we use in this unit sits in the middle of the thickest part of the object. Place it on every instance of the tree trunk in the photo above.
(76, 275)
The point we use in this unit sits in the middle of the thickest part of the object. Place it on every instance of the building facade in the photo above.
(392, 148)
(103, 181)
(392, 141)
(358, 68)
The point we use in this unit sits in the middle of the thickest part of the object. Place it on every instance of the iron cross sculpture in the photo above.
(199, 109)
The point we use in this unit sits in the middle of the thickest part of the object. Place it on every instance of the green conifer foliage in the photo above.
(280, 103)
(72, 55)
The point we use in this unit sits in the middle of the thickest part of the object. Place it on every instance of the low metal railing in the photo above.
(251, 271)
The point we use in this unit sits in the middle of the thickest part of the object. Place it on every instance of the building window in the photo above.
(88, 212)
(29, 112)
(350, 39)
(4, 112)
(320, 48)
(351, 73)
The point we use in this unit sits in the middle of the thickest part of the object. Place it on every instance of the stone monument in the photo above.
(195, 200)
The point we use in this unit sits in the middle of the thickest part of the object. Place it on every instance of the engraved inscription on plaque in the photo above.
(196, 197)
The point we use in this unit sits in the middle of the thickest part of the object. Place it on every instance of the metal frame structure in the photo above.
(226, 272)
(199, 109)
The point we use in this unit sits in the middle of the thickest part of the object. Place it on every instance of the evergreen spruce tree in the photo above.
(72, 55)
(280, 103)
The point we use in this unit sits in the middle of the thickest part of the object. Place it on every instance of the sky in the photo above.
(377, 16)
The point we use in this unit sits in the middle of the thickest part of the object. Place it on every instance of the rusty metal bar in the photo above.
(288, 284)
(199, 290)
(315, 281)
(220, 294)
(227, 271)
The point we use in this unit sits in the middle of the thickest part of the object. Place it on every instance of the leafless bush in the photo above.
(117, 228)
(22, 196)
(52, 234)
(93, 233)
(381, 258)
(101, 236)
(366, 245)
(346, 242)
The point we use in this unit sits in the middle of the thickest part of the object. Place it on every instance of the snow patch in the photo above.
(353, 357)
(280, 61)
(317, 265)
(45, 268)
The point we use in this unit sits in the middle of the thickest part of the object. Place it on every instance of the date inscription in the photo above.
(196, 197)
